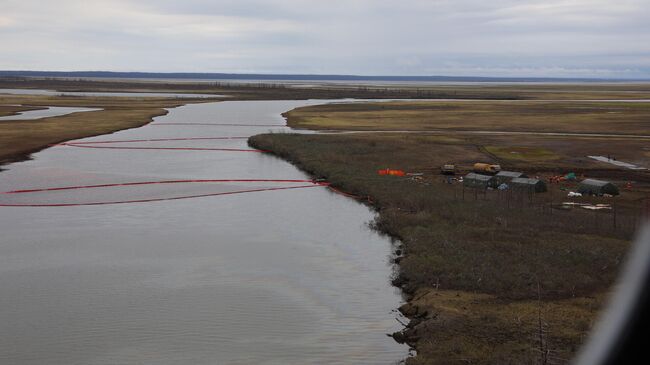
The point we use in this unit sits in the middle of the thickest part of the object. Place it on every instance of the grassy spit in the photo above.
(489, 279)
(20, 138)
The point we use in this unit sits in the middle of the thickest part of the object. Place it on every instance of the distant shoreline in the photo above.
(209, 76)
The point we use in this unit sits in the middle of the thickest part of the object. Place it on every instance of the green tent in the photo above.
(507, 176)
(478, 181)
(530, 185)
(597, 187)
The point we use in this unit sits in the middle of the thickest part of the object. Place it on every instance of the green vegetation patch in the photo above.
(522, 153)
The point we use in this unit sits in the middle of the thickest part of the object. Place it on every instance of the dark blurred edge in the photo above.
(621, 335)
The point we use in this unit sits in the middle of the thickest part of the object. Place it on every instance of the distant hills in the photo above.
(293, 77)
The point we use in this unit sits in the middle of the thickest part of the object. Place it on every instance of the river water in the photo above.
(270, 277)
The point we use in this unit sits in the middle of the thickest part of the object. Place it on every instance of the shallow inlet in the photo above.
(270, 277)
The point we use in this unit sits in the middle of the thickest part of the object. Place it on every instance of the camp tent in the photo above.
(526, 184)
(505, 176)
(473, 180)
(597, 187)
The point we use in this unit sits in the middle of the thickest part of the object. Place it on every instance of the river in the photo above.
(289, 276)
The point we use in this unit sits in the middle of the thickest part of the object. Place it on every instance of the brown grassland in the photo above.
(490, 277)
(251, 91)
(19, 138)
(513, 116)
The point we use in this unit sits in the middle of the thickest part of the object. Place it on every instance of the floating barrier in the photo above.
(8, 194)
(158, 140)
(222, 125)
(103, 144)
(8, 198)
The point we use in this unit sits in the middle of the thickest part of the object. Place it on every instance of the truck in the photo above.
(448, 169)
(486, 168)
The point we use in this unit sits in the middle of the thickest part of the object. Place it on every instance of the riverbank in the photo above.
(20, 138)
(486, 280)
(11, 110)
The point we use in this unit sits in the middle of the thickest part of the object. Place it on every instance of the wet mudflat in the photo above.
(286, 276)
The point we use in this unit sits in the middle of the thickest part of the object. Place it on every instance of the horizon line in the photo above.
(300, 76)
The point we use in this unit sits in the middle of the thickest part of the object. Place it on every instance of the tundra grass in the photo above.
(271, 91)
(488, 274)
(511, 116)
(19, 138)
(520, 153)
(8, 110)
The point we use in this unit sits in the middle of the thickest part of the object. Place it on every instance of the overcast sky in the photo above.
(573, 38)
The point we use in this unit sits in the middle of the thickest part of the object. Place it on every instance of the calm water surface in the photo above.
(277, 277)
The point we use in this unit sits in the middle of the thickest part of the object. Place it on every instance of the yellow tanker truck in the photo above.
(486, 168)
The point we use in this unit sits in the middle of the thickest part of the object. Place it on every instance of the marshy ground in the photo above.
(490, 277)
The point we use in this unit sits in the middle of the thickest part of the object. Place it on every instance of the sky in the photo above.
(518, 38)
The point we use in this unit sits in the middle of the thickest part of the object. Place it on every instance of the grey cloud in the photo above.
(465, 37)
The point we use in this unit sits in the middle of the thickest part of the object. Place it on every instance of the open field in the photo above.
(484, 274)
(249, 91)
(319, 90)
(541, 91)
(513, 116)
(19, 138)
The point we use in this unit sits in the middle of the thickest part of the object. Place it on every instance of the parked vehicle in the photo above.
(448, 169)
(486, 168)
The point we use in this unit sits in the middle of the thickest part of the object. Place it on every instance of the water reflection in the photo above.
(280, 277)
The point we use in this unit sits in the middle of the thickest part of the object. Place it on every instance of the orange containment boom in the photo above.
(391, 172)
